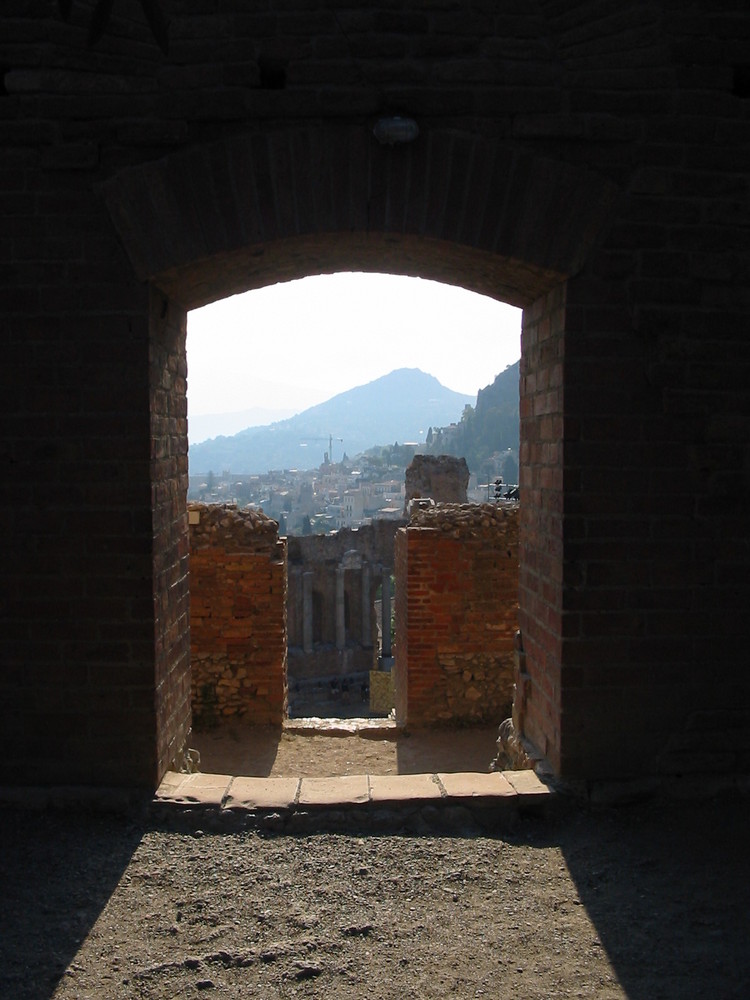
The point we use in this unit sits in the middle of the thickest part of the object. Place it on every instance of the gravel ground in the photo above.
(234, 748)
(643, 902)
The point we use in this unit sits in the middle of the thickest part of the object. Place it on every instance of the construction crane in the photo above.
(330, 439)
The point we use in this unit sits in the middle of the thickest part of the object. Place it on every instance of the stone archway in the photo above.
(256, 209)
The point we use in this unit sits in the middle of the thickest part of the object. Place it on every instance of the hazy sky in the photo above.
(293, 345)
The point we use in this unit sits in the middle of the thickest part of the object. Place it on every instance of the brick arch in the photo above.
(255, 209)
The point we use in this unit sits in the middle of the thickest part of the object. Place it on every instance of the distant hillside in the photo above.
(493, 425)
(203, 426)
(397, 407)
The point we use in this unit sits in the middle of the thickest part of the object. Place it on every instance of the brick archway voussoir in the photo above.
(240, 213)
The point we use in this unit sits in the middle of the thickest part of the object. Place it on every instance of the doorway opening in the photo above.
(340, 578)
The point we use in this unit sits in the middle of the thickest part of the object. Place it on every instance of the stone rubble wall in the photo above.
(381, 692)
(456, 614)
(373, 541)
(237, 615)
(443, 478)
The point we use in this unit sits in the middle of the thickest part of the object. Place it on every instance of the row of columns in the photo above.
(366, 571)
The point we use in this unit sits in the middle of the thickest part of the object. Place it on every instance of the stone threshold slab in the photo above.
(242, 793)
(314, 726)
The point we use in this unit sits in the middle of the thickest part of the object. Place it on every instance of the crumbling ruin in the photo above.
(238, 634)
(456, 614)
(441, 478)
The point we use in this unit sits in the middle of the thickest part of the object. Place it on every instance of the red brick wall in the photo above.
(541, 520)
(456, 614)
(169, 475)
(237, 616)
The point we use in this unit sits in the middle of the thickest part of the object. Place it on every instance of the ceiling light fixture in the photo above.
(395, 131)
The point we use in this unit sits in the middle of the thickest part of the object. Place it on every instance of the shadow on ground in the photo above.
(667, 887)
(57, 872)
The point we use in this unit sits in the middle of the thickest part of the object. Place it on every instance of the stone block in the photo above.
(195, 789)
(386, 788)
(382, 696)
(472, 785)
(528, 785)
(248, 793)
(348, 790)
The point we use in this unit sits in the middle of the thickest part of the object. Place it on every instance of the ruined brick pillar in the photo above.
(443, 478)
(238, 615)
(456, 615)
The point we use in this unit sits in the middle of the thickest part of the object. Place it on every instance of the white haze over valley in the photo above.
(269, 354)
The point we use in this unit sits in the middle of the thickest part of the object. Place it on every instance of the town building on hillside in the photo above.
(352, 508)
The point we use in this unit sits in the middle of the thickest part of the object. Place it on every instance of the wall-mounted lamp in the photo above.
(395, 131)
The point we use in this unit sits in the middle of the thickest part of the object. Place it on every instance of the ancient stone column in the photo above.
(366, 606)
(307, 612)
(385, 612)
(340, 609)
(295, 617)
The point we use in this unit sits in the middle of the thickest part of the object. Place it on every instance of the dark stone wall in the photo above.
(585, 160)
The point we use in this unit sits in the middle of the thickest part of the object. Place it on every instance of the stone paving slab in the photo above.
(403, 788)
(529, 785)
(224, 795)
(194, 789)
(471, 785)
(262, 793)
(347, 790)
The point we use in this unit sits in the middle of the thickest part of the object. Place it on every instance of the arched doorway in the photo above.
(459, 208)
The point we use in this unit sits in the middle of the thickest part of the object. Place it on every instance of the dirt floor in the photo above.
(646, 902)
(240, 749)
(643, 902)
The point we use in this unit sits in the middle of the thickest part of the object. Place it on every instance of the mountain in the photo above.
(489, 427)
(399, 407)
(203, 426)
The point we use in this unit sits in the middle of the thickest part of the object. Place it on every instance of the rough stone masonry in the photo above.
(442, 478)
